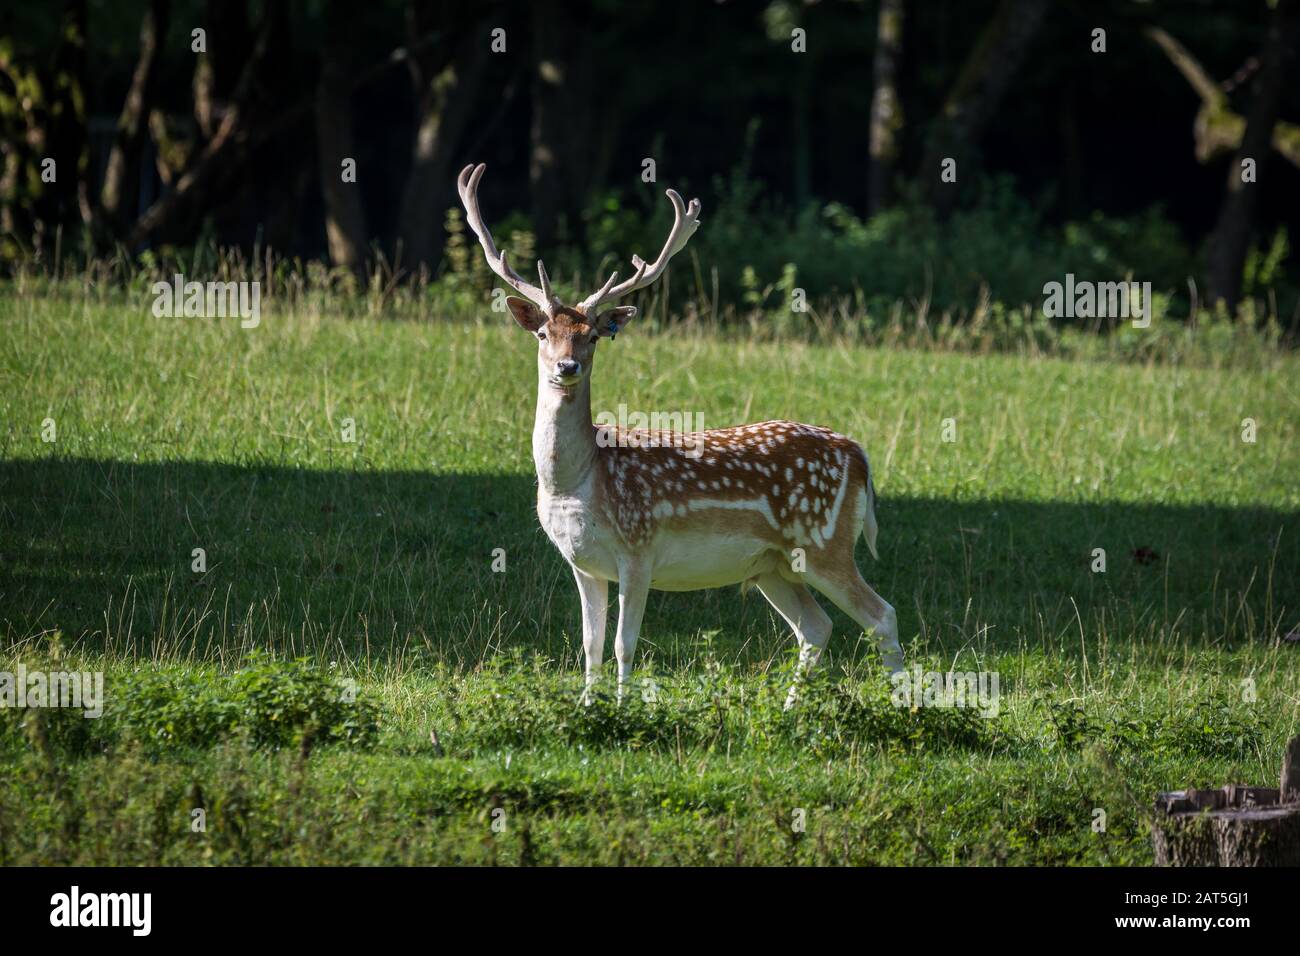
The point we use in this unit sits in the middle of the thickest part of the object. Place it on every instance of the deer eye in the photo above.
(541, 336)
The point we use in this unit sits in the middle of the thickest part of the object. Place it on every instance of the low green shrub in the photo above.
(280, 701)
(274, 703)
(1213, 727)
(169, 708)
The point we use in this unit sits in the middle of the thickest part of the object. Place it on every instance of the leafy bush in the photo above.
(274, 703)
(166, 708)
(279, 701)
(52, 730)
(716, 708)
(835, 717)
(1213, 727)
(516, 706)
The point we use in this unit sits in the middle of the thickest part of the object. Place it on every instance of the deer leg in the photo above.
(811, 625)
(633, 589)
(855, 597)
(594, 595)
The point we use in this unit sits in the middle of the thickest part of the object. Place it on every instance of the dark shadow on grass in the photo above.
(383, 563)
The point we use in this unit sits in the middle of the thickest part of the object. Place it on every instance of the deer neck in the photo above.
(564, 440)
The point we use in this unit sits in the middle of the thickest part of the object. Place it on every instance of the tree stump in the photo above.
(1234, 825)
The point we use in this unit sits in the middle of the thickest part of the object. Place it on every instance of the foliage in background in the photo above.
(1045, 193)
(755, 250)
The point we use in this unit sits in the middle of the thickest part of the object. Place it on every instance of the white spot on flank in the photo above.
(833, 514)
(759, 504)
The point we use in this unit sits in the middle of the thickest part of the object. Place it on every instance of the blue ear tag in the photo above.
(613, 329)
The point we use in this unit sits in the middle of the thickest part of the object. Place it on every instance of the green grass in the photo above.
(373, 560)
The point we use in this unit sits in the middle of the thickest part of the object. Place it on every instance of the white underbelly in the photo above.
(680, 561)
(688, 562)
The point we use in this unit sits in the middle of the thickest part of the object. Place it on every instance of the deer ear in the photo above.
(611, 321)
(526, 313)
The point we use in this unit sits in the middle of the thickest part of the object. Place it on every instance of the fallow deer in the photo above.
(680, 512)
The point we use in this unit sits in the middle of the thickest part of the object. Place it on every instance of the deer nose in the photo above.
(567, 368)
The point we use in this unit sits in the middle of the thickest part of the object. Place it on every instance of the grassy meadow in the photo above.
(350, 680)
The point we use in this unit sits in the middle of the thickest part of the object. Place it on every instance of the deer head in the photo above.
(567, 337)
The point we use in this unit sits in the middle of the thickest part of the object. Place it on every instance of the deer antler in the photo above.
(685, 221)
(467, 186)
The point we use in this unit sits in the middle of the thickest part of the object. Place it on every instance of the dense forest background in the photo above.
(813, 133)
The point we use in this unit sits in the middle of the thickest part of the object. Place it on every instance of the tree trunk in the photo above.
(216, 72)
(1233, 825)
(119, 192)
(886, 106)
(220, 157)
(68, 128)
(1072, 157)
(801, 147)
(446, 87)
(345, 221)
(1230, 240)
(561, 134)
(1257, 837)
(977, 93)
